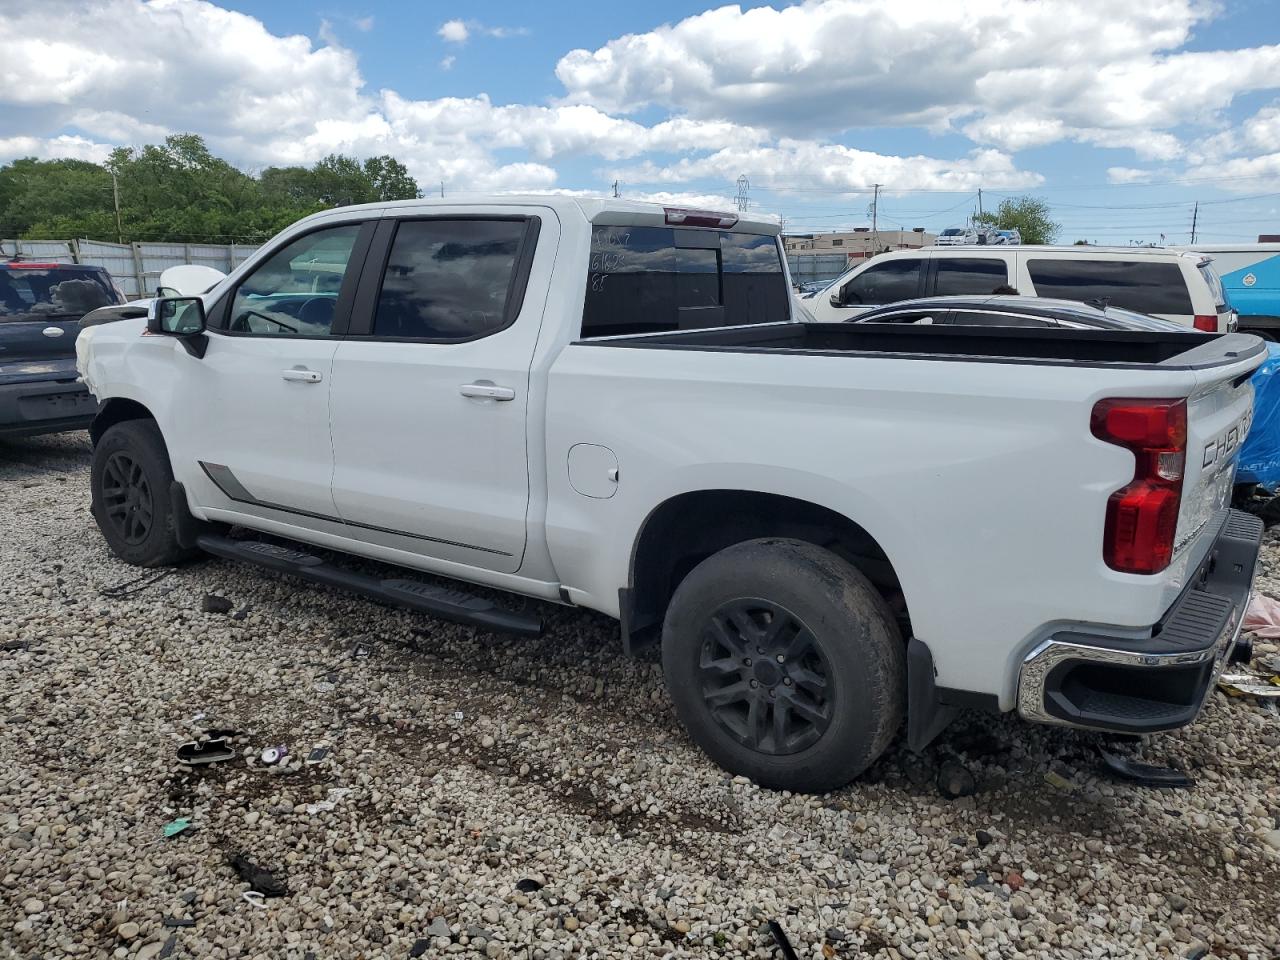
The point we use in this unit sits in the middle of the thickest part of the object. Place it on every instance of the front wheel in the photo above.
(130, 481)
(785, 664)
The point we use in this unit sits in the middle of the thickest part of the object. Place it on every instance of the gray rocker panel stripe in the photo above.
(227, 482)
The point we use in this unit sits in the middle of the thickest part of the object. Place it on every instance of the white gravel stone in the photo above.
(460, 764)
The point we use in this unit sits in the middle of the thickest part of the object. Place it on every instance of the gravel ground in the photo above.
(536, 798)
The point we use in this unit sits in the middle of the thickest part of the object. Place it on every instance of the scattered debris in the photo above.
(955, 781)
(1249, 684)
(212, 603)
(1262, 616)
(179, 922)
(335, 795)
(254, 899)
(136, 585)
(317, 755)
(263, 881)
(528, 885)
(983, 838)
(13, 646)
(1059, 782)
(167, 950)
(274, 754)
(780, 938)
(175, 827)
(420, 946)
(361, 652)
(209, 751)
(1146, 774)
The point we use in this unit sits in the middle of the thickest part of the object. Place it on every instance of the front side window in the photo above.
(958, 276)
(449, 280)
(885, 282)
(1144, 286)
(655, 279)
(295, 292)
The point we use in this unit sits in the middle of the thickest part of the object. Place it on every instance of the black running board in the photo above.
(443, 602)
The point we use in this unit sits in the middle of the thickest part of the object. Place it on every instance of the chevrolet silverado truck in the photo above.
(829, 529)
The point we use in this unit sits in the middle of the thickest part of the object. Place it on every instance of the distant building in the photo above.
(855, 244)
(1269, 238)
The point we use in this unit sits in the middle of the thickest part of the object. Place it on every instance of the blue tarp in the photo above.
(1260, 455)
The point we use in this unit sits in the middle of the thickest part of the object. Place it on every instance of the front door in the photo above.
(258, 401)
(431, 387)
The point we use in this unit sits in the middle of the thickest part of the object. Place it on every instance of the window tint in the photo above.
(651, 279)
(884, 283)
(449, 279)
(294, 293)
(915, 316)
(961, 275)
(1148, 287)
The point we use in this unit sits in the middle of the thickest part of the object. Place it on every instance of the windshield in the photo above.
(40, 292)
(952, 233)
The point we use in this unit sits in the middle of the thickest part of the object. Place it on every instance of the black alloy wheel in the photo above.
(764, 678)
(127, 502)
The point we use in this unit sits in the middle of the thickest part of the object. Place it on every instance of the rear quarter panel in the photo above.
(981, 481)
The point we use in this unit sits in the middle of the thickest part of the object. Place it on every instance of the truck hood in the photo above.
(104, 338)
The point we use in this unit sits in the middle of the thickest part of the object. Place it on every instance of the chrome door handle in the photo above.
(301, 375)
(486, 390)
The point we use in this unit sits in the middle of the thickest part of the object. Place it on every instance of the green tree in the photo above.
(179, 191)
(1028, 215)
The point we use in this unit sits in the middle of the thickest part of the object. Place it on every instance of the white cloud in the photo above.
(448, 62)
(54, 148)
(363, 24)
(1014, 74)
(460, 31)
(454, 31)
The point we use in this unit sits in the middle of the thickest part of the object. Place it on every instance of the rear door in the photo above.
(1150, 285)
(431, 388)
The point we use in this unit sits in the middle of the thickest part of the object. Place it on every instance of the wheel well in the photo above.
(687, 529)
(117, 410)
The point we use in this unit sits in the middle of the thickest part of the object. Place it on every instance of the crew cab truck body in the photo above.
(608, 404)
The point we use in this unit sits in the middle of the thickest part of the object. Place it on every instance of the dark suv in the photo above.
(40, 309)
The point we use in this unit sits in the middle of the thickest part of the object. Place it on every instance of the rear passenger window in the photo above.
(957, 276)
(654, 279)
(1147, 287)
(450, 279)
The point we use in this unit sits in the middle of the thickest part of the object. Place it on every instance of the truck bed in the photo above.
(1123, 348)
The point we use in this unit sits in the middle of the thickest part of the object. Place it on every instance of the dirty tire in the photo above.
(845, 632)
(134, 450)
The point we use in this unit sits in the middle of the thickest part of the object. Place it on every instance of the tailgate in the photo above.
(1218, 418)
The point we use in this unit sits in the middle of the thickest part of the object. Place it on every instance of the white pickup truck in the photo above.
(827, 527)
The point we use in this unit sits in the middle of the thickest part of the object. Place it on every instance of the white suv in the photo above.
(1173, 285)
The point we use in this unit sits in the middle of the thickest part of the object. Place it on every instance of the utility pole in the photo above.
(1195, 213)
(441, 189)
(115, 196)
(615, 189)
(979, 201)
(875, 213)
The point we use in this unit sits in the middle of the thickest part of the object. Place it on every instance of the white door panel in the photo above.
(269, 431)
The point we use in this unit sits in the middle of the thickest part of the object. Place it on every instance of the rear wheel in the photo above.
(130, 482)
(785, 664)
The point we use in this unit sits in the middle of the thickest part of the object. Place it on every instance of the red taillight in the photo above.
(1142, 518)
(681, 217)
(1208, 322)
(28, 265)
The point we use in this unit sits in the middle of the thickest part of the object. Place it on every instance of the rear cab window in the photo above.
(1147, 286)
(653, 279)
(48, 291)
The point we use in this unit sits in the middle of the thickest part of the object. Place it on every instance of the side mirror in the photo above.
(835, 300)
(176, 316)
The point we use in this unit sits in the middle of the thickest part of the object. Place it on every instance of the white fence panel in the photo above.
(136, 267)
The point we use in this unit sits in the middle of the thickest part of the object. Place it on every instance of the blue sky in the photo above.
(1120, 118)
